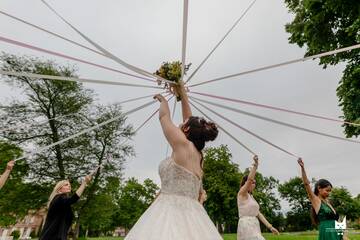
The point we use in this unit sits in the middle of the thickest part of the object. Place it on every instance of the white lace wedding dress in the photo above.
(176, 213)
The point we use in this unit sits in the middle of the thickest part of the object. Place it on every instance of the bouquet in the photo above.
(171, 71)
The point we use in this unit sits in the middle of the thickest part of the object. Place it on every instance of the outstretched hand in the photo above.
(275, 231)
(159, 97)
(301, 163)
(10, 165)
(88, 178)
(256, 160)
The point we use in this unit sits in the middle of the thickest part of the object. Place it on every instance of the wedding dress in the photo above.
(176, 213)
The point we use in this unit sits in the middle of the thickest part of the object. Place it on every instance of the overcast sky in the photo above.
(147, 32)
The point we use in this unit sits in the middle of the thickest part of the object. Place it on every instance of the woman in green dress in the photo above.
(322, 213)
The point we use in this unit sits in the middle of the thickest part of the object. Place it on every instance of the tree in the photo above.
(11, 196)
(17, 196)
(54, 110)
(134, 199)
(325, 25)
(345, 204)
(357, 198)
(221, 182)
(298, 218)
(98, 215)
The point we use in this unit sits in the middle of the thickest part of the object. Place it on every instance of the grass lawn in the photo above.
(292, 236)
(283, 236)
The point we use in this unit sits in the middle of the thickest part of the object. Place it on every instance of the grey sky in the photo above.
(146, 33)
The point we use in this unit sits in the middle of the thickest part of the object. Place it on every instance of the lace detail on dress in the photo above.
(177, 180)
(249, 207)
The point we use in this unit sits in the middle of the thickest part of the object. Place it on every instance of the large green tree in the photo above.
(134, 198)
(98, 215)
(325, 25)
(221, 182)
(345, 204)
(53, 110)
(298, 218)
(17, 196)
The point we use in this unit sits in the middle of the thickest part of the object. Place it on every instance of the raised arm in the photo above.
(6, 173)
(186, 109)
(62, 200)
(246, 187)
(172, 133)
(315, 201)
(83, 185)
(267, 224)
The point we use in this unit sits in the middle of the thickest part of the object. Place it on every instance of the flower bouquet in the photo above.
(171, 71)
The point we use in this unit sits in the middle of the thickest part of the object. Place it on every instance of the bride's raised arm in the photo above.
(172, 133)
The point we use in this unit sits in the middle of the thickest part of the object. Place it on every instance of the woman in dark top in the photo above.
(60, 216)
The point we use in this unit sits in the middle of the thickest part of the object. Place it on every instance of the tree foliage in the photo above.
(134, 199)
(325, 25)
(345, 204)
(54, 110)
(298, 218)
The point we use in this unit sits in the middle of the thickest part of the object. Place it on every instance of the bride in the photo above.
(177, 214)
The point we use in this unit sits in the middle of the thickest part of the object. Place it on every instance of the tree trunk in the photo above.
(219, 227)
(77, 228)
(58, 152)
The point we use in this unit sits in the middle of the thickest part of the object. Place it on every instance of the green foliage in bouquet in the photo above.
(170, 71)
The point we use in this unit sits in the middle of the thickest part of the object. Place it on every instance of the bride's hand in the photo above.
(203, 196)
(178, 89)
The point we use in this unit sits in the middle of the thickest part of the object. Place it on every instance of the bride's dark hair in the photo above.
(200, 131)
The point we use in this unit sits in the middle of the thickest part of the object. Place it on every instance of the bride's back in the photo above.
(178, 180)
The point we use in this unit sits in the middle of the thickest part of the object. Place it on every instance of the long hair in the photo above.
(243, 181)
(200, 131)
(55, 191)
(320, 184)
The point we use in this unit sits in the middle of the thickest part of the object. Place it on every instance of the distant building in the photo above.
(32, 223)
(119, 232)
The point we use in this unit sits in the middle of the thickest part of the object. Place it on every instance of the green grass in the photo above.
(292, 236)
(106, 238)
(283, 236)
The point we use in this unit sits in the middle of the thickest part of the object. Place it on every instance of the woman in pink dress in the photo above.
(249, 210)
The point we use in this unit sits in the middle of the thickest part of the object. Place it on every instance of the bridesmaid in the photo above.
(322, 213)
(249, 210)
(60, 215)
